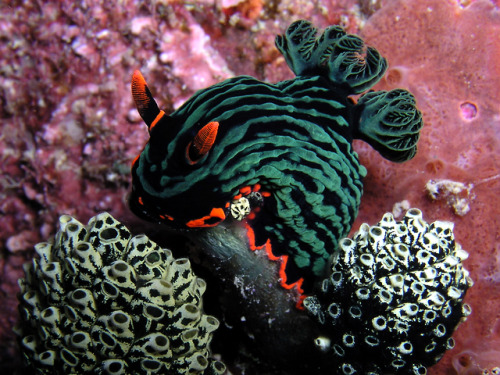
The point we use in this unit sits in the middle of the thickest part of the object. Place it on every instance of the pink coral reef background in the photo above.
(69, 130)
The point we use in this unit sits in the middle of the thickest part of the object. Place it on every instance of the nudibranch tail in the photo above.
(146, 105)
(341, 57)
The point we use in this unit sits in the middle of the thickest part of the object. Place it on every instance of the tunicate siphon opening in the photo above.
(109, 289)
(44, 333)
(334, 310)
(385, 296)
(70, 266)
(107, 339)
(450, 344)
(430, 315)
(108, 234)
(219, 366)
(440, 330)
(120, 266)
(202, 361)
(417, 287)
(348, 340)
(355, 311)
(324, 285)
(161, 341)
(182, 262)
(79, 294)
(83, 246)
(212, 321)
(466, 309)
(336, 277)
(434, 166)
(77, 338)
(401, 250)
(48, 312)
(366, 259)
(153, 258)
(397, 279)
(402, 228)
(423, 256)
(398, 363)
(70, 313)
(46, 355)
(68, 357)
(43, 249)
(322, 343)
(406, 347)
(379, 323)
(120, 318)
(347, 369)
(429, 348)
(153, 312)
(401, 326)
(389, 263)
(28, 339)
(49, 267)
(72, 227)
(420, 370)
(338, 350)
(191, 308)
(150, 364)
(363, 293)
(346, 243)
(372, 340)
(414, 212)
(115, 367)
(28, 295)
(190, 334)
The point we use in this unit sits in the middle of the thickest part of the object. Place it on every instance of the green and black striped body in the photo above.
(293, 139)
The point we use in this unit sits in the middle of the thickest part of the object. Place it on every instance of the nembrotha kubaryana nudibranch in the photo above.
(279, 155)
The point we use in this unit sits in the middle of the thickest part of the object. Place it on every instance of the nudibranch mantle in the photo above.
(285, 147)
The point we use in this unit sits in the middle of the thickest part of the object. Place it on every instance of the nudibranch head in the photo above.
(283, 150)
(98, 300)
(170, 173)
(393, 298)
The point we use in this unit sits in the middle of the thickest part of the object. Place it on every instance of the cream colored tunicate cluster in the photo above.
(97, 300)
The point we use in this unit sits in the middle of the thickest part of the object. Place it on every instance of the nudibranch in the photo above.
(278, 155)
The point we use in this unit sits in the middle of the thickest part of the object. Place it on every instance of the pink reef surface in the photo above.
(69, 130)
